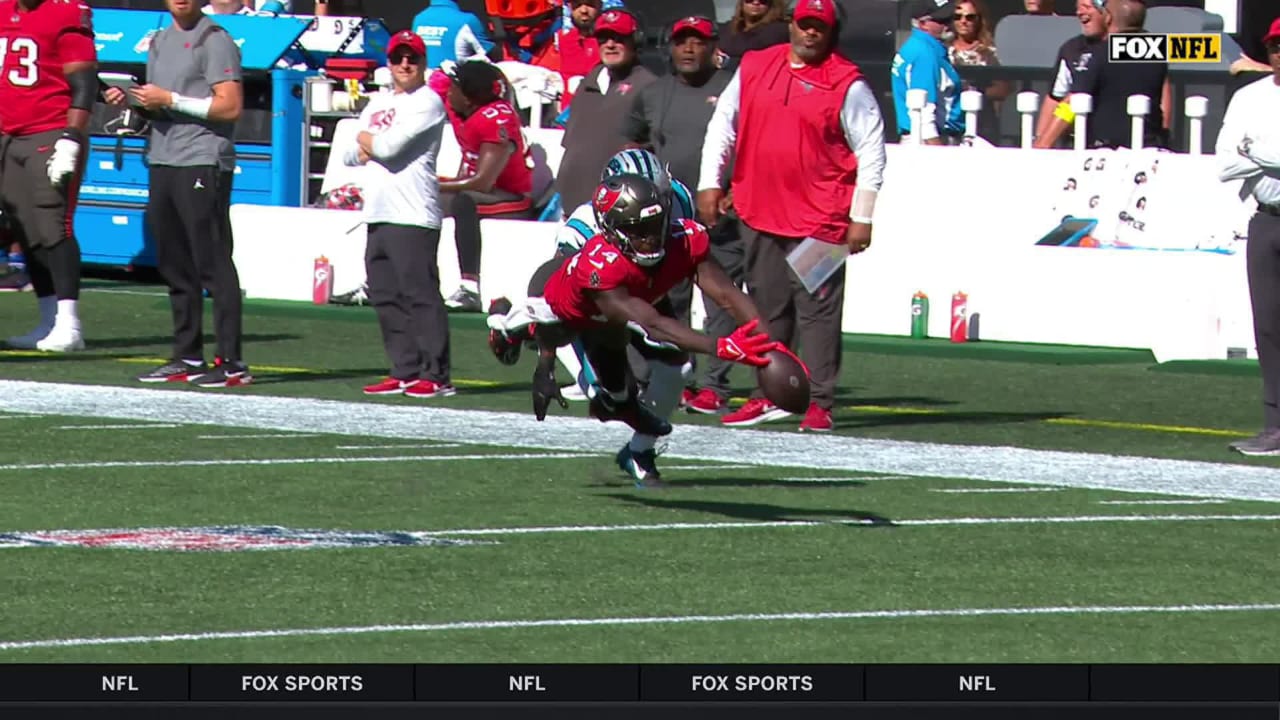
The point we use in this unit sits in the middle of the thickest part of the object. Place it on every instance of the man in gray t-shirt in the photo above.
(193, 97)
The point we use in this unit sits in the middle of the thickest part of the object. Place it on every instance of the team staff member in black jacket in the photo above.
(194, 96)
(1075, 55)
(671, 116)
(599, 107)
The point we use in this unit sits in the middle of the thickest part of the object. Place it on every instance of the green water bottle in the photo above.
(920, 315)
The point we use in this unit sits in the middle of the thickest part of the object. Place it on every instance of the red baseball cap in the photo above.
(697, 25)
(824, 10)
(619, 22)
(1273, 33)
(407, 39)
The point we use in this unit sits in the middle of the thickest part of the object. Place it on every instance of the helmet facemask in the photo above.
(645, 242)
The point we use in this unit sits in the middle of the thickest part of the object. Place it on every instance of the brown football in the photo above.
(784, 382)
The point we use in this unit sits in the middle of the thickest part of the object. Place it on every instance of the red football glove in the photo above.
(744, 347)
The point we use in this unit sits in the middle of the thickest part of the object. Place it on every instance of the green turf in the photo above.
(864, 555)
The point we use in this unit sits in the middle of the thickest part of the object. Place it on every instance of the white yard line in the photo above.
(993, 491)
(1161, 502)
(258, 436)
(918, 522)
(152, 426)
(285, 461)
(634, 621)
(810, 452)
(417, 446)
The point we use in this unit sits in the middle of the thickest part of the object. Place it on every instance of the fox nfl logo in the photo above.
(1165, 48)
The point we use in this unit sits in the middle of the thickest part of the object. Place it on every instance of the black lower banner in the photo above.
(685, 684)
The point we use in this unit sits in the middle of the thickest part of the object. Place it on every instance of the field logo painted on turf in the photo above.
(222, 539)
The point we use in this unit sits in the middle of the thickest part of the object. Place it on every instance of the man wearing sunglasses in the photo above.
(398, 144)
(1249, 149)
(922, 64)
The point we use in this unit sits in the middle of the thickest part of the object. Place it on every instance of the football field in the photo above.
(987, 502)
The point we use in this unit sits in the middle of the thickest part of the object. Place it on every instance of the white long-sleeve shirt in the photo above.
(1251, 115)
(859, 118)
(400, 182)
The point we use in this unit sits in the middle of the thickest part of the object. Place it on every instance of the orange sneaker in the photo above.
(756, 411)
(424, 389)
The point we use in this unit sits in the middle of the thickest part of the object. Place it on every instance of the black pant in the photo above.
(40, 216)
(792, 313)
(467, 207)
(1262, 256)
(189, 215)
(404, 289)
(728, 250)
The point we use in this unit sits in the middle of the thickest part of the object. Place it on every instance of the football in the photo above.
(784, 382)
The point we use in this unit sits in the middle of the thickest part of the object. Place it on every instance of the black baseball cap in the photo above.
(940, 10)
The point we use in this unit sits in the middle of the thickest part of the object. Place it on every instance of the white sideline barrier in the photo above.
(947, 220)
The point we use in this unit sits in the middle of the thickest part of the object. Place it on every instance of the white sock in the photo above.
(48, 310)
(569, 359)
(66, 315)
(472, 285)
(642, 443)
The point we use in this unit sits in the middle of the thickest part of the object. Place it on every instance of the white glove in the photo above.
(63, 161)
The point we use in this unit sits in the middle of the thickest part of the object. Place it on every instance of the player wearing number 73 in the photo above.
(48, 86)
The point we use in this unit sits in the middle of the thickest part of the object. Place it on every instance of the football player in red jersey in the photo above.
(48, 86)
(496, 177)
(619, 280)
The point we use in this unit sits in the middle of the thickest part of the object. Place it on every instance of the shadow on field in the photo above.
(762, 512)
(847, 420)
(102, 343)
(718, 482)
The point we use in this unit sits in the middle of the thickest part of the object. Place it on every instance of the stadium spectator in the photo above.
(340, 8)
(1111, 85)
(495, 180)
(1248, 149)
(1038, 7)
(921, 63)
(1075, 55)
(195, 99)
(973, 43)
(671, 116)
(595, 129)
(807, 93)
(756, 25)
(399, 145)
(619, 279)
(579, 50)
(450, 34)
(44, 115)
(246, 7)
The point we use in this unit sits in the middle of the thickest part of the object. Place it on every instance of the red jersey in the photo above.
(600, 265)
(495, 123)
(34, 46)
(578, 55)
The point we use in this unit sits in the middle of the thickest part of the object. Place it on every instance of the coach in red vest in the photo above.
(806, 140)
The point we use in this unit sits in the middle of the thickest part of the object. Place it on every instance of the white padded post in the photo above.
(1196, 107)
(1028, 105)
(971, 104)
(916, 100)
(1082, 105)
(1139, 108)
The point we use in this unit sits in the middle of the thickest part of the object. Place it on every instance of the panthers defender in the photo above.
(619, 280)
(47, 92)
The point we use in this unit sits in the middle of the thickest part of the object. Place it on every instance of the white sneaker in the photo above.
(29, 341)
(60, 340)
(573, 392)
